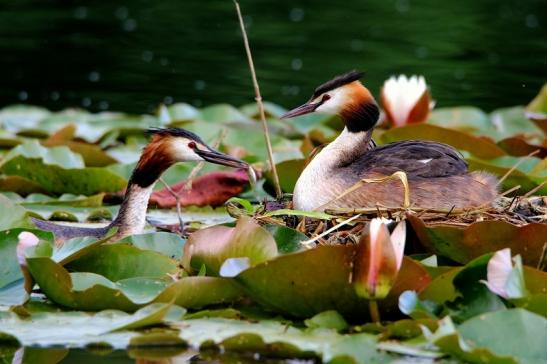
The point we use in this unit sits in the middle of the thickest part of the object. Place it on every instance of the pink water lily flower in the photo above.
(406, 100)
(379, 259)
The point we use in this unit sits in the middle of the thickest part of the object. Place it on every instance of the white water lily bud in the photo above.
(406, 100)
(26, 240)
(379, 259)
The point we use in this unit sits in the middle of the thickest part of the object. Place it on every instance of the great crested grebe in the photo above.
(437, 174)
(167, 146)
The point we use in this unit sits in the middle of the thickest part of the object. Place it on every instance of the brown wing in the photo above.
(415, 158)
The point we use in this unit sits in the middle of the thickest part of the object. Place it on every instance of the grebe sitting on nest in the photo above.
(437, 175)
(168, 146)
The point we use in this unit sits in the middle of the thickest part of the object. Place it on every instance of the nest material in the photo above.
(518, 211)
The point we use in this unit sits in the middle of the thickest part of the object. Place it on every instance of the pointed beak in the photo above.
(301, 110)
(216, 157)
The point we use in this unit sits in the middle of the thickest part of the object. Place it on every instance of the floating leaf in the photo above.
(485, 339)
(328, 320)
(316, 280)
(462, 244)
(463, 118)
(212, 246)
(512, 121)
(92, 292)
(122, 261)
(57, 179)
(288, 240)
(18, 216)
(168, 244)
(286, 340)
(80, 329)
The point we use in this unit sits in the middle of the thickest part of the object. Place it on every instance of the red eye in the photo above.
(192, 145)
(325, 98)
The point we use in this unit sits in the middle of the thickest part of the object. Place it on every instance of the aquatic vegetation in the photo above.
(269, 279)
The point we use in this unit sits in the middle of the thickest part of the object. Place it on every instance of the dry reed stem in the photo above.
(400, 175)
(259, 103)
(519, 162)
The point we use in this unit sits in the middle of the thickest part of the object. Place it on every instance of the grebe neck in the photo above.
(131, 218)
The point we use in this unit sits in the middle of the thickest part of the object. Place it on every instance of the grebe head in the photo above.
(346, 97)
(181, 145)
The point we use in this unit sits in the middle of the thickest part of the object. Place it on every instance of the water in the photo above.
(132, 55)
(143, 356)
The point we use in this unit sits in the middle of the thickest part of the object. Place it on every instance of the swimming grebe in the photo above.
(437, 174)
(167, 146)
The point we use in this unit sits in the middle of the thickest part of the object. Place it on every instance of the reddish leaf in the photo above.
(464, 244)
(519, 147)
(211, 189)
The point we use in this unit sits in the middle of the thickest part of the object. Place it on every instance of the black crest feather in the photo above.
(176, 132)
(337, 81)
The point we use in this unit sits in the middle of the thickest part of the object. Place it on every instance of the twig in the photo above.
(535, 189)
(308, 242)
(259, 103)
(519, 162)
(177, 201)
(400, 175)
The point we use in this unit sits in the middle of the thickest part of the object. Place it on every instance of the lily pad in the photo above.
(462, 244)
(321, 282)
(123, 261)
(212, 246)
(92, 292)
(56, 179)
(81, 329)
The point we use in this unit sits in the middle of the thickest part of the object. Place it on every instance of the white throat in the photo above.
(131, 218)
(312, 189)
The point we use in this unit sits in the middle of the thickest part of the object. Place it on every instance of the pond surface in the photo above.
(132, 55)
(142, 356)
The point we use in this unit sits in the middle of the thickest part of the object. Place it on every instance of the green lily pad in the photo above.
(168, 244)
(20, 185)
(288, 240)
(123, 261)
(288, 172)
(316, 280)
(58, 180)
(17, 117)
(282, 339)
(467, 119)
(81, 329)
(18, 216)
(485, 339)
(64, 200)
(512, 121)
(93, 292)
(212, 246)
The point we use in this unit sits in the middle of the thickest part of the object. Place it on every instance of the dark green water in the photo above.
(131, 55)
